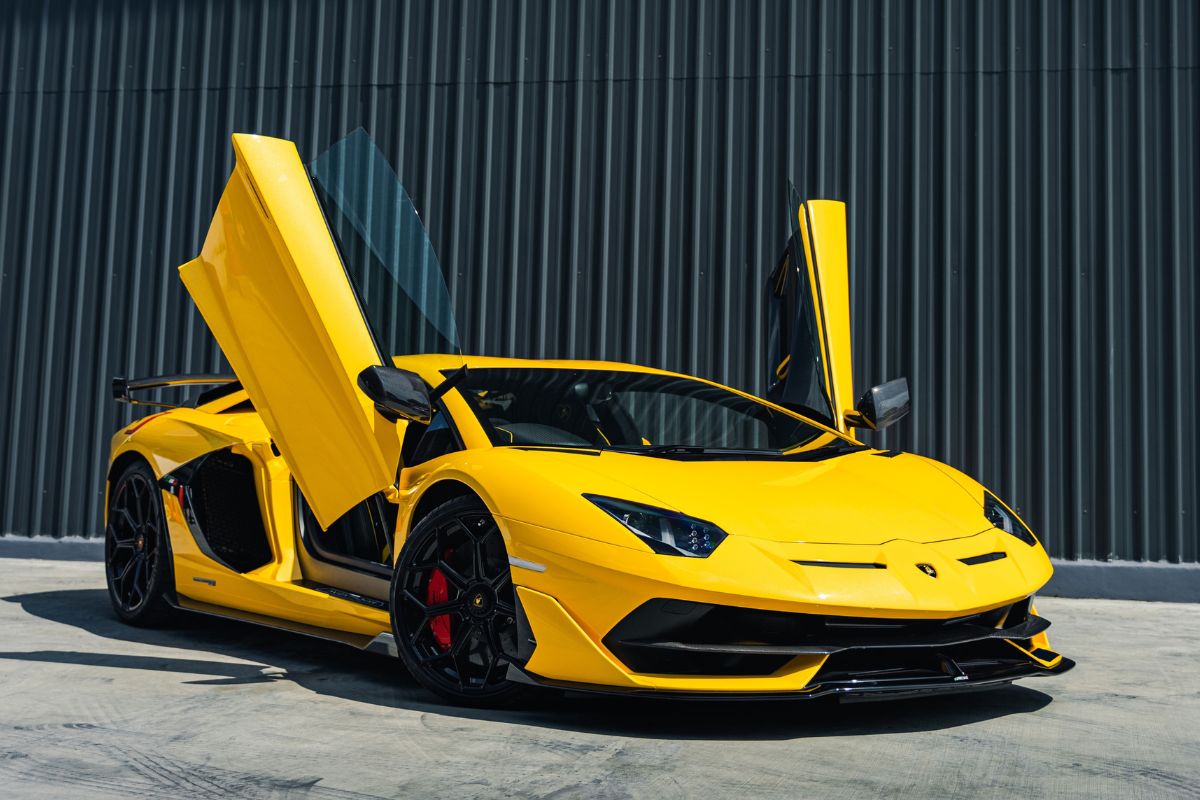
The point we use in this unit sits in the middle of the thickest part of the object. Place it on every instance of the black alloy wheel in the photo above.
(137, 554)
(454, 606)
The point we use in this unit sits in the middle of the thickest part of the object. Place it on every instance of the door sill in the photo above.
(383, 643)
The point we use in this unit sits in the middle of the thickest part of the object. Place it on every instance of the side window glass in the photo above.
(425, 442)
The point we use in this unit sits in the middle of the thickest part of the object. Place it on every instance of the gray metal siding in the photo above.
(608, 180)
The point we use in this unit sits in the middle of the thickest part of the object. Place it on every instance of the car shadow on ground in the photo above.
(339, 671)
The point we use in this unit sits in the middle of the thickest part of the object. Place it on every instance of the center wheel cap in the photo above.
(480, 601)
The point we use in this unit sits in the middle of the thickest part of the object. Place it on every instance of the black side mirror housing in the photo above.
(882, 405)
(397, 394)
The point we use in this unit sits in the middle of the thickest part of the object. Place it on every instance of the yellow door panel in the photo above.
(808, 337)
(826, 252)
(272, 289)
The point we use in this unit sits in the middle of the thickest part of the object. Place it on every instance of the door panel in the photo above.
(823, 230)
(809, 305)
(795, 350)
(273, 291)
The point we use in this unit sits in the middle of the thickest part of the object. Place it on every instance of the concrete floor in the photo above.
(90, 707)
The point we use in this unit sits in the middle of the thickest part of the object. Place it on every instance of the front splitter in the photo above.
(843, 691)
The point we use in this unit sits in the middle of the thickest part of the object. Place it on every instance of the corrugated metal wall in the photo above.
(608, 180)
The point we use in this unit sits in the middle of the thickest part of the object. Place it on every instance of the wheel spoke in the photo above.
(480, 559)
(139, 512)
(435, 657)
(493, 639)
(498, 582)
(416, 634)
(416, 601)
(122, 581)
(494, 650)
(125, 572)
(453, 576)
(497, 658)
(131, 526)
(455, 652)
(136, 580)
(454, 606)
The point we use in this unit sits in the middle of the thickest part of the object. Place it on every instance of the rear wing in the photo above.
(121, 387)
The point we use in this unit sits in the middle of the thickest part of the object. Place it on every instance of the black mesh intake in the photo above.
(906, 664)
(225, 505)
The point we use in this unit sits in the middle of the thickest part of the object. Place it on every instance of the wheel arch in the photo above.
(439, 492)
(119, 464)
(122, 462)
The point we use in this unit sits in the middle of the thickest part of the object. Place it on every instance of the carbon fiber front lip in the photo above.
(844, 691)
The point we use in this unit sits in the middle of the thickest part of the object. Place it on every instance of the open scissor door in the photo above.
(809, 316)
(271, 286)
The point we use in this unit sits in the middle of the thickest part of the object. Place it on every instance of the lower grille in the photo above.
(672, 637)
(906, 664)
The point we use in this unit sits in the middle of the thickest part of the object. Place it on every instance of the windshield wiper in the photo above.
(831, 450)
(693, 450)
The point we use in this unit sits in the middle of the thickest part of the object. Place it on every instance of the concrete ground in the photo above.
(90, 707)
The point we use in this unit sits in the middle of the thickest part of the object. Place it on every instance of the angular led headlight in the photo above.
(668, 533)
(1005, 520)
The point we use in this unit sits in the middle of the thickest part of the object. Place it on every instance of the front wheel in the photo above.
(454, 607)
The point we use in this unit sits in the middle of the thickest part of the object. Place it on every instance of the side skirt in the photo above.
(382, 644)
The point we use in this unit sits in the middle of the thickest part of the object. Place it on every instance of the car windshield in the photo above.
(630, 411)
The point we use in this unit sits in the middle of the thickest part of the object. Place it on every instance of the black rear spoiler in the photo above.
(121, 387)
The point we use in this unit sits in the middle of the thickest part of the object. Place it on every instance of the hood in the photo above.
(863, 498)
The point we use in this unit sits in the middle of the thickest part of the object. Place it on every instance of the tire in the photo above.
(137, 550)
(455, 561)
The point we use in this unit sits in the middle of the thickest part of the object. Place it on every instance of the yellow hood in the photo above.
(858, 498)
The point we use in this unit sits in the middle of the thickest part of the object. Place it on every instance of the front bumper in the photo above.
(756, 623)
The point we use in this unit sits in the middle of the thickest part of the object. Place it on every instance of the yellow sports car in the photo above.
(503, 524)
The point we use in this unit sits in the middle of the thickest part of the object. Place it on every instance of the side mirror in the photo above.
(881, 405)
(397, 393)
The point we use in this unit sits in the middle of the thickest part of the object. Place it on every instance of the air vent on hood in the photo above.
(983, 559)
(842, 564)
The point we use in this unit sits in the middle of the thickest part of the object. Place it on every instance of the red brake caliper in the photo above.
(438, 591)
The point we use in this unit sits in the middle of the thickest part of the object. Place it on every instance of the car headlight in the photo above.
(1005, 520)
(668, 533)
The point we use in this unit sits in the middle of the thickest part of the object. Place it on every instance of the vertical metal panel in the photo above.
(607, 180)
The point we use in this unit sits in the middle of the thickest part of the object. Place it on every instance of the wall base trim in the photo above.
(1125, 580)
(68, 548)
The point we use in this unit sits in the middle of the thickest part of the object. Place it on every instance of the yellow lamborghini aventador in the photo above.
(502, 524)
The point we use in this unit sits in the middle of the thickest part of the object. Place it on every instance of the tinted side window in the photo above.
(425, 442)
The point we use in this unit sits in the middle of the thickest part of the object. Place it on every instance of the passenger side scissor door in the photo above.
(809, 308)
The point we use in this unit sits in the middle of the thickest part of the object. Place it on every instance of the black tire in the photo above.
(458, 652)
(137, 550)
